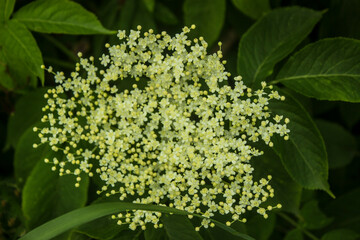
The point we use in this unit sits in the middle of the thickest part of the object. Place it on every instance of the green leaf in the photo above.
(47, 195)
(313, 217)
(328, 69)
(54, 16)
(261, 228)
(129, 235)
(179, 227)
(152, 233)
(86, 214)
(340, 144)
(5, 78)
(252, 8)
(135, 13)
(207, 15)
(271, 39)
(20, 47)
(28, 111)
(304, 154)
(102, 228)
(164, 15)
(150, 5)
(287, 192)
(295, 234)
(77, 236)
(6, 8)
(218, 233)
(343, 234)
(26, 157)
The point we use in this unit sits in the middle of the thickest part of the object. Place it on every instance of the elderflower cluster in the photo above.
(158, 124)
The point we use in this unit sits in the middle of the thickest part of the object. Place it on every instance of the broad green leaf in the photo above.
(207, 15)
(28, 111)
(5, 78)
(14, 76)
(313, 217)
(129, 235)
(86, 214)
(77, 236)
(218, 233)
(47, 195)
(54, 16)
(252, 8)
(287, 192)
(328, 69)
(260, 228)
(20, 48)
(343, 234)
(102, 228)
(304, 154)
(271, 39)
(163, 14)
(179, 227)
(26, 157)
(340, 144)
(295, 234)
(6, 8)
(152, 233)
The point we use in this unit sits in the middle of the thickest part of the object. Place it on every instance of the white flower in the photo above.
(174, 136)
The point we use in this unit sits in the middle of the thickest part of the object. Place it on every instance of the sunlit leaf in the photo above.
(328, 70)
(54, 16)
(21, 49)
(271, 39)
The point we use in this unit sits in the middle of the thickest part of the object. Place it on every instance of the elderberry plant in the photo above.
(177, 136)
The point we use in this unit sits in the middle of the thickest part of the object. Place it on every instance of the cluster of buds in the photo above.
(158, 123)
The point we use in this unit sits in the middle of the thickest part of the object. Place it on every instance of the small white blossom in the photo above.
(172, 137)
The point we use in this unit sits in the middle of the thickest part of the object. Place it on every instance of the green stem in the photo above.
(295, 224)
(61, 47)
